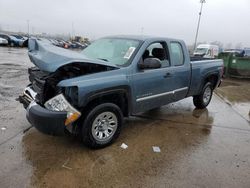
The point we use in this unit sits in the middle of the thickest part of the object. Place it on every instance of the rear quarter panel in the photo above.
(200, 71)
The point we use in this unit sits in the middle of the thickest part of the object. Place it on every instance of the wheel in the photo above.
(102, 125)
(12, 44)
(201, 101)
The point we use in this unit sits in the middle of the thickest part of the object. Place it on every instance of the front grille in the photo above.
(38, 85)
(37, 79)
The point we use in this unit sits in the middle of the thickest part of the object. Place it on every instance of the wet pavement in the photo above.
(199, 148)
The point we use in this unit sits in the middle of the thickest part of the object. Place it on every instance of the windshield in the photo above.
(113, 50)
(201, 50)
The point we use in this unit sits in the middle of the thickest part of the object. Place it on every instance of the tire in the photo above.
(201, 101)
(12, 44)
(102, 125)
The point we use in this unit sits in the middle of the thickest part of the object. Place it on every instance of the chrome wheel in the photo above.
(104, 126)
(207, 95)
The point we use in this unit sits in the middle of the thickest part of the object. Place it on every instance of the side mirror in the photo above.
(150, 63)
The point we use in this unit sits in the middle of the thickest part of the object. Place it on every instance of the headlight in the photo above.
(59, 103)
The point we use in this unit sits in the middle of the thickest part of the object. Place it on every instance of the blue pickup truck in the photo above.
(89, 93)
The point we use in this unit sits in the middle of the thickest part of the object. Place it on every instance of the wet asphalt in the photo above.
(199, 148)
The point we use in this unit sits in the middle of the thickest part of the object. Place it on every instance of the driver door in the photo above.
(153, 87)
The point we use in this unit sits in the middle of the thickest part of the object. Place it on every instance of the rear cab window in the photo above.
(177, 58)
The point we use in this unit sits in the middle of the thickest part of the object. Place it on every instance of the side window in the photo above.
(158, 50)
(209, 52)
(177, 54)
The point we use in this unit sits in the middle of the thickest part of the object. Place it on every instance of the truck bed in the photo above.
(199, 58)
(200, 69)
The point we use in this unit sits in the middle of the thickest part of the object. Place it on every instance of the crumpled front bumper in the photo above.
(44, 120)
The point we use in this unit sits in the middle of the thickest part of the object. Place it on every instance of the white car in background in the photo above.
(3, 42)
(207, 51)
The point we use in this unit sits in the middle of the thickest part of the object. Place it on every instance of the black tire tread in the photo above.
(87, 137)
(198, 99)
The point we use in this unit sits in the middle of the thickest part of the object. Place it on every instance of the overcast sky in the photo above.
(227, 21)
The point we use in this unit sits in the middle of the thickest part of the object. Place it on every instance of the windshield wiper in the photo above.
(103, 59)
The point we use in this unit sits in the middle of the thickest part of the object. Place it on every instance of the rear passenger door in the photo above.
(181, 69)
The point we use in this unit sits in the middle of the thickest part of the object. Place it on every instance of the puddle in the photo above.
(243, 109)
(182, 112)
(238, 99)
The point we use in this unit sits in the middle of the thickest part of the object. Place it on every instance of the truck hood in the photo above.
(49, 58)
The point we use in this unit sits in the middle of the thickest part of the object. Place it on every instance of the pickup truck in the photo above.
(88, 93)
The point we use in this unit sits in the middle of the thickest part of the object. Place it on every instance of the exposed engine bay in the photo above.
(45, 83)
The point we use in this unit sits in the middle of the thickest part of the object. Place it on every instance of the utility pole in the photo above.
(28, 27)
(72, 30)
(198, 26)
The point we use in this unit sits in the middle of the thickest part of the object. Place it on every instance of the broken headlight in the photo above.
(59, 103)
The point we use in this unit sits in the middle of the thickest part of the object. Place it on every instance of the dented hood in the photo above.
(49, 58)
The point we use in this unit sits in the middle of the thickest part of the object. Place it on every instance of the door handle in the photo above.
(168, 74)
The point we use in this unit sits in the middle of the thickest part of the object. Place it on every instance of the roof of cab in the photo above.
(141, 37)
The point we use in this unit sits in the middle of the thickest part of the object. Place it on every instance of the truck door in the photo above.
(181, 69)
(153, 87)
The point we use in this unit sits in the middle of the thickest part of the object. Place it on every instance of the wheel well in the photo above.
(213, 79)
(120, 99)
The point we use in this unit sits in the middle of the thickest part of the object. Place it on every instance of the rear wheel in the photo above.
(102, 125)
(201, 101)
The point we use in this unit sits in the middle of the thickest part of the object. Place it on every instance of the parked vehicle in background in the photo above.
(80, 45)
(16, 42)
(234, 51)
(247, 52)
(12, 40)
(239, 52)
(6, 37)
(76, 45)
(3, 42)
(54, 42)
(68, 44)
(24, 40)
(18, 37)
(89, 93)
(207, 51)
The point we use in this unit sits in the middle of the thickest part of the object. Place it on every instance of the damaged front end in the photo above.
(52, 109)
(47, 108)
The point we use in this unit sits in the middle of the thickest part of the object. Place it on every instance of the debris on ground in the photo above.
(156, 149)
(124, 146)
(64, 165)
(3, 128)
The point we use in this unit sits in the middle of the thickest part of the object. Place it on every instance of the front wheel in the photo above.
(102, 125)
(201, 101)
